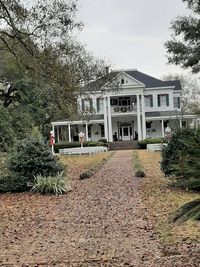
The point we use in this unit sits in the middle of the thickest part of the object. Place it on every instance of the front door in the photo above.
(125, 133)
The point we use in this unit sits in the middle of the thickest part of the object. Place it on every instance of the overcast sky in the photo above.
(130, 33)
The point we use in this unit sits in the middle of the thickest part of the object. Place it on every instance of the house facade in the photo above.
(125, 105)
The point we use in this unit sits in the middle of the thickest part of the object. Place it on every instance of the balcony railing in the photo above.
(123, 109)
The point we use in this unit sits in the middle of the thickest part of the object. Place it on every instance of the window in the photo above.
(99, 105)
(148, 100)
(102, 130)
(87, 104)
(89, 131)
(163, 100)
(114, 102)
(125, 101)
(122, 81)
(148, 124)
(177, 102)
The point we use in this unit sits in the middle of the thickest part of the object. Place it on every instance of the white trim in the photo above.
(172, 117)
(143, 118)
(109, 120)
(160, 88)
(139, 119)
(76, 122)
(105, 119)
(69, 133)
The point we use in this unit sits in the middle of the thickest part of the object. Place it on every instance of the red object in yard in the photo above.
(51, 140)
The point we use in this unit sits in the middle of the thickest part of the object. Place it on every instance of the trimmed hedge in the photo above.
(143, 144)
(77, 144)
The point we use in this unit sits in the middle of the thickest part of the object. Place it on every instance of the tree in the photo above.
(42, 67)
(39, 38)
(190, 96)
(184, 48)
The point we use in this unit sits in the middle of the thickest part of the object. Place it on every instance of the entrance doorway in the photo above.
(125, 132)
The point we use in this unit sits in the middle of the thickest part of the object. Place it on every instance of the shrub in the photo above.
(86, 174)
(56, 185)
(181, 156)
(143, 144)
(77, 144)
(31, 157)
(139, 172)
(190, 210)
(92, 143)
(13, 184)
(103, 140)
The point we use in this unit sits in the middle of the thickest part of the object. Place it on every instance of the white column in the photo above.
(86, 132)
(109, 121)
(163, 130)
(180, 121)
(143, 118)
(53, 130)
(138, 118)
(69, 133)
(105, 119)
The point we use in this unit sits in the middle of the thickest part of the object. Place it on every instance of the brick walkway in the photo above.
(100, 223)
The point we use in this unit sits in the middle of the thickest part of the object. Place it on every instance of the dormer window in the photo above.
(122, 81)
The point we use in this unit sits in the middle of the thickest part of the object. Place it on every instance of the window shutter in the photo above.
(91, 104)
(98, 104)
(83, 105)
(151, 101)
(179, 102)
(158, 100)
(167, 100)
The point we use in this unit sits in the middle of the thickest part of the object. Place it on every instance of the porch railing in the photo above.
(123, 109)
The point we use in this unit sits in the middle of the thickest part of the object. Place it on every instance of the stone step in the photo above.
(123, 145)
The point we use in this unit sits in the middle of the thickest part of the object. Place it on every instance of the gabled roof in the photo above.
(151, 82)
(147, 80)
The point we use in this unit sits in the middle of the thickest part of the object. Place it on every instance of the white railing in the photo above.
(123, 109)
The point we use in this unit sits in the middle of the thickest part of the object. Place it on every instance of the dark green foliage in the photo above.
(187, 184)
(143, 144)
(77, 144)
(86, 174)
(140, 173)
(89, 172)
(190, 210)
(181, 156)
(103, 140)
(11, 183)
(137, 165)
(185, 51)
(29, 158)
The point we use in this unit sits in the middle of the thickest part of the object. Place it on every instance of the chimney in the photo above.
(107, 70)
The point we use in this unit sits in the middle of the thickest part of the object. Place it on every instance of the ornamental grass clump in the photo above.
(56, 185)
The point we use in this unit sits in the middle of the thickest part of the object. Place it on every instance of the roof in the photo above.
(147, 80)
(151, 82)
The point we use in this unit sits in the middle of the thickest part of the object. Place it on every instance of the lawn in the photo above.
(162, 201)
(77, 164)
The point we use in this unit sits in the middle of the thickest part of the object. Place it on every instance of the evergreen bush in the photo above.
(28, 158)
(181, 156)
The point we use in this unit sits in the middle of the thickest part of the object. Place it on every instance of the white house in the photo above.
(125, 105)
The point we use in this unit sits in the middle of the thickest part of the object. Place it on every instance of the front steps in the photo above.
(123, 145)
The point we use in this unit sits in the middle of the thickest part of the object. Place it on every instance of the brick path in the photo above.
(101, 222)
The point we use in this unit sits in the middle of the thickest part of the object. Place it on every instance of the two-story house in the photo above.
(125, 105)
